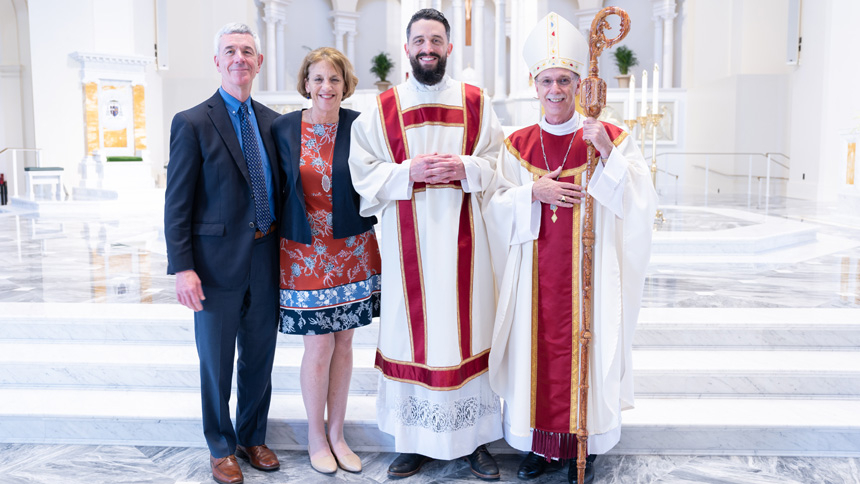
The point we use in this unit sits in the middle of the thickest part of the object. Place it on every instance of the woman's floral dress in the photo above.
(332, 284)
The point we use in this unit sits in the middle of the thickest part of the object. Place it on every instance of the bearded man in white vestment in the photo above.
(534, 219)
(420, 162)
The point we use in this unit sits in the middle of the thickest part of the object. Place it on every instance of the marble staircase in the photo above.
(708, 381)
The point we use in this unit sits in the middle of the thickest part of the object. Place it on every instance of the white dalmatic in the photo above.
(438, 295)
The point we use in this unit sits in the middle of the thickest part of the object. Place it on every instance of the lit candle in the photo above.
(655, 109)
(631, 98)
(644, 111)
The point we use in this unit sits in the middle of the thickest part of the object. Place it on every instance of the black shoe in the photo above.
(406, 465)
(589, 470)
(483, 465)
(534, 465)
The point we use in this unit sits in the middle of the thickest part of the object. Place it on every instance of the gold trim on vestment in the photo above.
(539, 172)
(385, 132)
(434, 368)
(431, 105)
(435, 123)
(465, 119)
(445, 185)
(442, 389)
(534, 330)
(576, 238)
(471, 271)
(403, 281)
(402, 129)
(421, 278)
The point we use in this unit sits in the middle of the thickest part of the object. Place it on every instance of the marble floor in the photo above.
(74, 464)
(119, 257)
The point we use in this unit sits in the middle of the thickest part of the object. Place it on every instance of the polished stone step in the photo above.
(785, 328)
(655, 426)
(139, 323)
(690, 373)
(749, 328)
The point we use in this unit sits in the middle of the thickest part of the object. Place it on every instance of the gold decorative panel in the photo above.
(116, 138)
(139, 118)
(852, 150)
(91, 108)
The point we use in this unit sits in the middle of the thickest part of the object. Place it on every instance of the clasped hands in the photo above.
(436, 168)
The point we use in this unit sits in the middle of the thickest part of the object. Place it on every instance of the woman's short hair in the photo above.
(336, 59)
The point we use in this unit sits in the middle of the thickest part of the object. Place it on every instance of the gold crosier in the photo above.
(593, 98)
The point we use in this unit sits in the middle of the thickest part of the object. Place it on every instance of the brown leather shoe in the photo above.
(260, 457)
(226, 470)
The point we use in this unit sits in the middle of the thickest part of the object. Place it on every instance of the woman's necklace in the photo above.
(553, 206)
(317, 134)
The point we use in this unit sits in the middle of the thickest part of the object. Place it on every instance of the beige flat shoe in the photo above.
(349, 462)
(325, 465)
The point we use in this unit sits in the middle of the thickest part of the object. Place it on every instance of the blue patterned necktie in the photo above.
(255, 168)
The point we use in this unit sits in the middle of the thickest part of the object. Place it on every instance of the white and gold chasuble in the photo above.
(438, 295)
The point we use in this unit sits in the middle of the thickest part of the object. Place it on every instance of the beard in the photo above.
(428, 77)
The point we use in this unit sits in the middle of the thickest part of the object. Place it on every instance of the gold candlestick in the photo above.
(654, 120)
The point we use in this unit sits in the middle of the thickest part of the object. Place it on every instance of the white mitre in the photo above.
(555, 42)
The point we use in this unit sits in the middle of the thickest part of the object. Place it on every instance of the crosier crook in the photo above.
(593, 99)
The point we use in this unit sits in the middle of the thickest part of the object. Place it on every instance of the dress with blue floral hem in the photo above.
(332, 284)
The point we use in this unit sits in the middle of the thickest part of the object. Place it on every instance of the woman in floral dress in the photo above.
(329, 258)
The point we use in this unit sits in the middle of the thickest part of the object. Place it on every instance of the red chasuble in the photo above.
(556, 299)
(395, 122)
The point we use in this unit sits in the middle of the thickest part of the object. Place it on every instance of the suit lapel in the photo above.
(221, 119)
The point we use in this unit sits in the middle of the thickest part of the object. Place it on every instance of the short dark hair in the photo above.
(429, 14)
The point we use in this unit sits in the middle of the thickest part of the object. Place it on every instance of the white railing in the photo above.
(15, 152)
(770, 160)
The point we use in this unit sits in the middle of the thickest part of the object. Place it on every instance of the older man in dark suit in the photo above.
(219, 223)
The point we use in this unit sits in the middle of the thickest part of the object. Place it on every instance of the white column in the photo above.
(668, 50)
(338, 39)
(664, 44)
(500, 86)
(281, 65)
(407, 9)
(275, 19)
(523, 19)
(478, 39)
(584, 18)
(345, 24)
(658, 41)
(350, 47)
(437, 4)
(458, 35)
(271, 59)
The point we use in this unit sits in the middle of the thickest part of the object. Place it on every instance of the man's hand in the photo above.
(189, 292)
(548, 190)
(446, 168)
(419, 167)
(593, 130)
(435, 168)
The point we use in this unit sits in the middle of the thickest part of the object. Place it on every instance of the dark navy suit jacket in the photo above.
(345, 201)
(208, 205)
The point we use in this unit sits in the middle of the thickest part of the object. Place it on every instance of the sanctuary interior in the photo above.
(747, 352)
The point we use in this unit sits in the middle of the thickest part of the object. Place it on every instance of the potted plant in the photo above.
(381, 65)
(624, 59)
